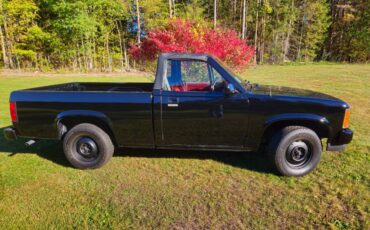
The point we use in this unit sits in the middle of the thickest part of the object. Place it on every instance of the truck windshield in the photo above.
(231, 73)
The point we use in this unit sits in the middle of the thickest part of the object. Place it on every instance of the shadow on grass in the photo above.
(48, 149)
(52, 150)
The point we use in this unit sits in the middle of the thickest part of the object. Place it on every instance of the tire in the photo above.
(87, 146)
(295, 151)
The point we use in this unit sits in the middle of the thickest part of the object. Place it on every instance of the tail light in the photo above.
(13, 111)
(346, 119)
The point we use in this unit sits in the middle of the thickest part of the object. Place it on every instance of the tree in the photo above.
(94, 34)
(2, 38)
(288, 33)
(256, 32)
(312, 25)
(20, 16)
(244, 25)
(214, 13)
(138, 23)
(348, 37)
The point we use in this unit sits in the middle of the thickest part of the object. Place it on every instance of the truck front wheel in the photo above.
(87, 146)
(295, 151)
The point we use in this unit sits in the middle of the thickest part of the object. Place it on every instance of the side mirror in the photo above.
(230, 89)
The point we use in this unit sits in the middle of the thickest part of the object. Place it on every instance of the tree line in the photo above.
(97, 34)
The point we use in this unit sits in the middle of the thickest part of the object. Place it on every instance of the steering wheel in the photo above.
(219, 86)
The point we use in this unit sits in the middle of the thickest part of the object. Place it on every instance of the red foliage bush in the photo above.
(185, 36)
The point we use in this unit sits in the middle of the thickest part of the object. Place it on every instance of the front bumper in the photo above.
(339, 143)
(10, 134)
(345, 136)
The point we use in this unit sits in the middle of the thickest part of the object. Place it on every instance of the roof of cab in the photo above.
(196, 56)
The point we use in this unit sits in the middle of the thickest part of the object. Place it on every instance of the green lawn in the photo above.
(174, 189)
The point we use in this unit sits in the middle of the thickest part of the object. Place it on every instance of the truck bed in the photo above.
(97, 87)
(127, 106)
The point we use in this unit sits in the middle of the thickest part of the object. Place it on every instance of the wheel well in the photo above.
(66, 124)
(321, 130)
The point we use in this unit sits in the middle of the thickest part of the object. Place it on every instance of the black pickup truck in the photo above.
(194, 103)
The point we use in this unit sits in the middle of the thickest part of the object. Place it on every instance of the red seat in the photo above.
(197, 86)
(177, 88)
(191, 86)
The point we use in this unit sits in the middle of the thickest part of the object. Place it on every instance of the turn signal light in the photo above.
(13, 111)
(346, 119)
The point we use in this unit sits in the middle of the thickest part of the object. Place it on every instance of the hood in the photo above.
(287, 91)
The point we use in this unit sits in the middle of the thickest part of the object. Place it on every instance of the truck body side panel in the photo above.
(266, 110)
(130, 113)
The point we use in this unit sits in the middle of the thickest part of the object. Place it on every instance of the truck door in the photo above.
(193, 110)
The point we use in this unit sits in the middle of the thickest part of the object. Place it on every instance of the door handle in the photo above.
(173, 102)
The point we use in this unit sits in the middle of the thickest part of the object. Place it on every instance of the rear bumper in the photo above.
(344, 137)
(10, 134)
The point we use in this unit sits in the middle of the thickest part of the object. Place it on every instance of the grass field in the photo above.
(192, 190)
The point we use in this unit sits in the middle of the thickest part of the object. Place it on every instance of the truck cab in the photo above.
(198, 104)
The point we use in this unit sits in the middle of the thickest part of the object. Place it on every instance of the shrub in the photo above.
(185, 36)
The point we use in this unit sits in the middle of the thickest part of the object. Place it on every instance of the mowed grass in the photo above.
(192, 190)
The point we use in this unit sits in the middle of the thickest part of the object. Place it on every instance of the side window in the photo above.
(195, 72)
(188, 75)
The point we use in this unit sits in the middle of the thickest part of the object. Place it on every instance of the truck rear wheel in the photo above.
(87, 146)
(295, 151)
